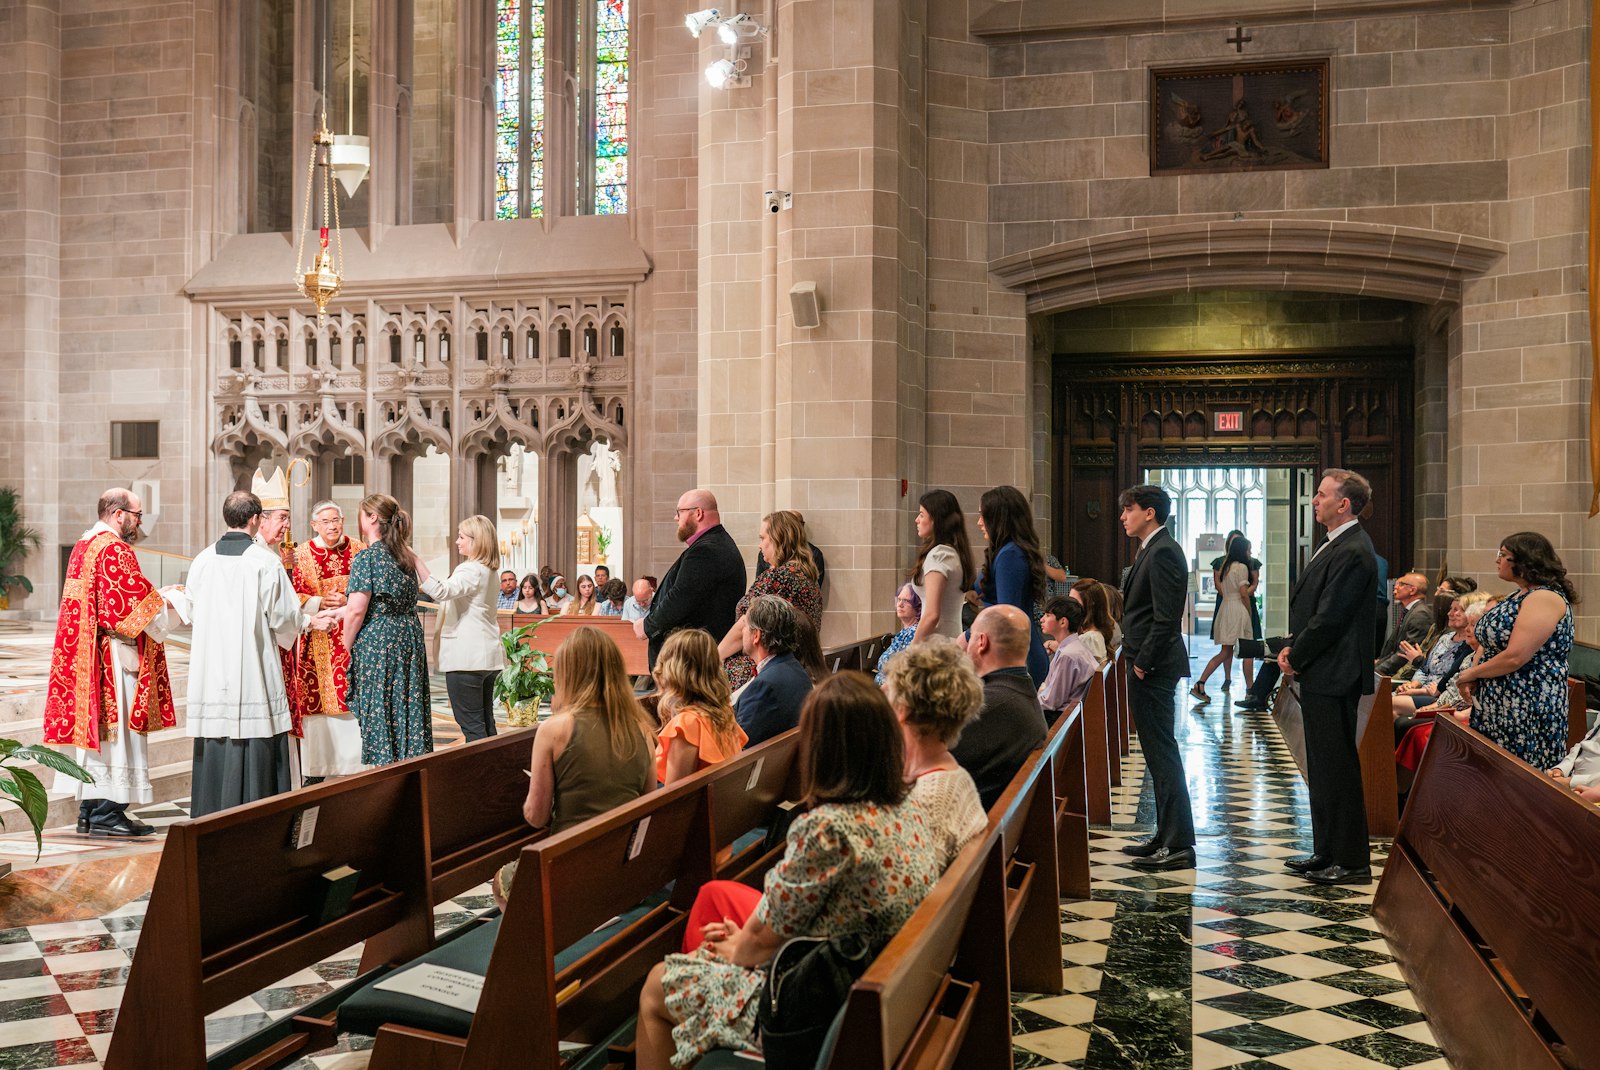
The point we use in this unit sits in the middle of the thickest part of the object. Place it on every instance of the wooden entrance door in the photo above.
(1115, 417)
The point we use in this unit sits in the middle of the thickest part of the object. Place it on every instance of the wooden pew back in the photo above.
(1376, 751)
(1025, 817)
(236, 902)
(1072, 818)
(473, 795)
(553, 631)
(1493, 887)
(1098, 744)
(937, 994)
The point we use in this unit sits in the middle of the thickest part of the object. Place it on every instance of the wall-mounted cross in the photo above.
(1239, 39)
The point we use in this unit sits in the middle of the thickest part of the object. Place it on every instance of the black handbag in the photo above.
(807, 983)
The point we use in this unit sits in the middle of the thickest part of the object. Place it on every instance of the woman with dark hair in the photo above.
(1013, 567)
(858, 861)
(530, 597)
(944, 564)
(1217, 564)
(1098, 623)
(1232, 620)
(388, 660)
(1520, 682)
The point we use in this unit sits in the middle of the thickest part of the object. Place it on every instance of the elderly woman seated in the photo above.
(908, 611)
(1412, 731)
(1440, 666)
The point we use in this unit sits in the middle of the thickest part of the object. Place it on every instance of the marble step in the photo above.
(169, 781)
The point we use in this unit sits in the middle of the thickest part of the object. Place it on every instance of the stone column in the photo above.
(30, 187)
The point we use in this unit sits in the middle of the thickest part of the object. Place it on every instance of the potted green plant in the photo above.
(526, 681)
(25, 788)
(602, 543)
(17, 541)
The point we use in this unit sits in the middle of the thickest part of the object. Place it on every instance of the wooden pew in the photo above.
(1072, 817)
(1376, 751)
(1577, 712)
(553, 631)
(601, 869)
(1025, 816)
(1491, 903)
(235, 907)
(1097, 746)
(1121, 711)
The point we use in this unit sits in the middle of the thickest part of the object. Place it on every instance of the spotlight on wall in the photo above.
(700, 21)
(728, 74)
(805, 306)
(738, 29)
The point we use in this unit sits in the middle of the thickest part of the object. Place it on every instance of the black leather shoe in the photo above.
(119, 825)
(1141, 850)
(1340, 875)
(1306, 864)
(1251, 704)
(1166, 858)
(84, 810)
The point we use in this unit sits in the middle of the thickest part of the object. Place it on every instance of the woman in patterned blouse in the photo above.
(832, 880)
(791, 575)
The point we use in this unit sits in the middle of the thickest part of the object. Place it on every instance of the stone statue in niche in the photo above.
(598, 485)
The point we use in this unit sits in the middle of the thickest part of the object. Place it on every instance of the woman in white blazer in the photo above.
(469, 636)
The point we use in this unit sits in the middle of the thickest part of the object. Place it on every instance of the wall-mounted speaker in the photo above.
(803, 301)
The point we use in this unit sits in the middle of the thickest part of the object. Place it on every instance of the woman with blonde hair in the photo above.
(594, 752)
(583, 605)
(935, 691)
(696, 711)
(791, 575)
(388, 660)
(469, 635)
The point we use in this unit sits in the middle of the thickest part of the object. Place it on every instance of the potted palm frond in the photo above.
(17, 541)
(22, 786)
(602, 544)
(526, 681)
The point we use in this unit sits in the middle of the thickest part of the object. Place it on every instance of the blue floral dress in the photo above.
(1524, 711)
(849, 868)
(901, 640)
(389, 663)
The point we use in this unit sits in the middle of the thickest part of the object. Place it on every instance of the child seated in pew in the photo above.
(860, 861)
(934, 692)
(698, 724)
(594, 752)
(1073, 664)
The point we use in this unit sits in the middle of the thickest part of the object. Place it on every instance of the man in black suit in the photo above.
(769, 704)
(703, 587)
(1416, 618)
(1153, 595)
(1333, 631)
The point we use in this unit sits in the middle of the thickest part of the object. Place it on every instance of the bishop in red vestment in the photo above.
(332, 740)
(108, 671)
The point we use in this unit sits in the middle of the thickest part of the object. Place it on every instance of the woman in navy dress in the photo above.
(1013, 567)
(1520, 682)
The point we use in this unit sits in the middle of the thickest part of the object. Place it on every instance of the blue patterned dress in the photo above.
(389, 663)
(1524, 711)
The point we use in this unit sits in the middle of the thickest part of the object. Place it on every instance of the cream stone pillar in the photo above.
(30, 186)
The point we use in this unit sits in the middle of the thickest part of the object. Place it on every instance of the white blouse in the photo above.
(469, 635)
(943, 560)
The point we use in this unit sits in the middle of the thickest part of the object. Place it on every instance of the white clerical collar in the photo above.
(100, 526)
(320, 541)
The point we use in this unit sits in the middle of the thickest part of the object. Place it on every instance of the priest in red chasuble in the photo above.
(332, 740)
(108, 672)
(273, 491)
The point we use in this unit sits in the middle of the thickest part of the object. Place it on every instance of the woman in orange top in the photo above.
(699, 729)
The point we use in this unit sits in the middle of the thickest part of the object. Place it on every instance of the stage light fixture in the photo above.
(739, 29)
(726, 74)
(700, 21)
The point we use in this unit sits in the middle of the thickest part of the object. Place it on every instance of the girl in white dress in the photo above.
(1233, 616)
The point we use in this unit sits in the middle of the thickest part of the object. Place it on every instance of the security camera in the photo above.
(778, 200)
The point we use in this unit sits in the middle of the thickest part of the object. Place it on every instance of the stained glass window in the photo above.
(610, 106)
(519, 108)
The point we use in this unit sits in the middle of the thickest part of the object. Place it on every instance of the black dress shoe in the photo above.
(1166, 858)
(1141, 850)
(1306, 864)
(1251, 704)
(119, 825)
(1340, 875)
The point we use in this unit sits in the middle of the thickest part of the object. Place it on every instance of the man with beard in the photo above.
(703, 587)
(108, 672)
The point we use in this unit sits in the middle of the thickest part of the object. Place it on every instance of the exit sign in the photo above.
(1229, 420)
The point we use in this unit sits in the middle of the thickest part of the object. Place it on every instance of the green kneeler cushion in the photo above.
(370, 1009)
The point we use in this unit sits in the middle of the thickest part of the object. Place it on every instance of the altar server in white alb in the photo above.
(243, 609)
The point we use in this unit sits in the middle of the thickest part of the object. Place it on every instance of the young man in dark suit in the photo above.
(769, 704)
(703, 587)
(1153, 596)
(1333, 628)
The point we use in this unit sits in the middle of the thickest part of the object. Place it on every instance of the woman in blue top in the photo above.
(1013, 567)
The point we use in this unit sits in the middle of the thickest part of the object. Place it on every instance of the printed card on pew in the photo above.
(303, 829)
(437, 984)
(636, 839)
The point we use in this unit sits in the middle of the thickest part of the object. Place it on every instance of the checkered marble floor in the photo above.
(1236, 964)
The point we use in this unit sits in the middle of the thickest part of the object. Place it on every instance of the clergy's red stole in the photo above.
(323, 666)
(104, 594)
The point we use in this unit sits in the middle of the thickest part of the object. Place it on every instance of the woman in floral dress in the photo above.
(791, 575)
(1519, 686)
(833, 880)
(388, 661)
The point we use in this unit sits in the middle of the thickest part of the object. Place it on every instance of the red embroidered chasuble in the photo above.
(104, 594)
(323, 664)
(288, 656)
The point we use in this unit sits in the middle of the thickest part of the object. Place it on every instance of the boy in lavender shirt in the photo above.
(1073, 665)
